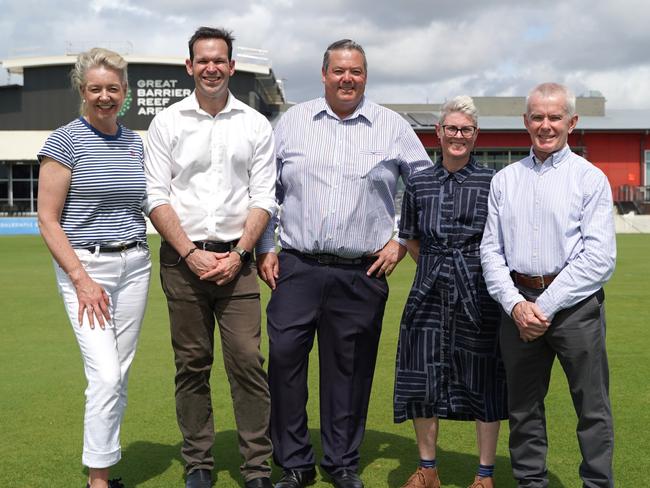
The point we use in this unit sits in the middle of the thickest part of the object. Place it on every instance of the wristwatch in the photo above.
(244, 255)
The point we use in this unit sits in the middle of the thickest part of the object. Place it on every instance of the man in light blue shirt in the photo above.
(339, 160)
(549, 247)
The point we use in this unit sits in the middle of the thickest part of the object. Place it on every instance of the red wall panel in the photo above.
(618, 154)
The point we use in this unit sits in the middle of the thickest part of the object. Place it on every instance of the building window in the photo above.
(646, 178)
(499, 158)
(18, 187)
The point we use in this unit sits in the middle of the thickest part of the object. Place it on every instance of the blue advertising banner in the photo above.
(18, 225)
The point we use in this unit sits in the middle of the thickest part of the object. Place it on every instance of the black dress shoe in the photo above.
(296, 478)
(199, 478)
(262, 482)
(346, 478)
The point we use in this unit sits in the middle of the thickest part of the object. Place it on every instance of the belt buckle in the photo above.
(326, 259)
(539, 279)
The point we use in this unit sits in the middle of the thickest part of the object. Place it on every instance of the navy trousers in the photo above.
(345, 308)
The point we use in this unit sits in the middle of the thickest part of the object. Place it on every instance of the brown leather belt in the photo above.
(533, 282)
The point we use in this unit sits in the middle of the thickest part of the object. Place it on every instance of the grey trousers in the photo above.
(193, 306)
(577, 337)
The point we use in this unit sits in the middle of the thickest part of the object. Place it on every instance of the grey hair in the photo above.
(463, 104)
(96, 57)
(343, 44)
(549, 89)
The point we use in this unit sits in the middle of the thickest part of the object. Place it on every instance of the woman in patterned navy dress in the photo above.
(448, 360)
(90, 196)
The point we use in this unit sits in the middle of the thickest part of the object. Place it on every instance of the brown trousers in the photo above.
(193, 307)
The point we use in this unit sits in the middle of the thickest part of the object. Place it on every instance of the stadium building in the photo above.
(43, 100)
(614, 140)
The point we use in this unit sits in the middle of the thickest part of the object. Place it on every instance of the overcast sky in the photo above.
(418, 51)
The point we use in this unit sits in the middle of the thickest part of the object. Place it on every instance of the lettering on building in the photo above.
(152, 96)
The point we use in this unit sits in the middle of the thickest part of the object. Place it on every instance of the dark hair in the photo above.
(211, 33)
(343, 44)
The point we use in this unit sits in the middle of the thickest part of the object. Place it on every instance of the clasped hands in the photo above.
(219, 267)
(530, 320)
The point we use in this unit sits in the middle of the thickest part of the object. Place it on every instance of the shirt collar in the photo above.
(364, 109)
(461, 175)
(192, 104)
(555, 159)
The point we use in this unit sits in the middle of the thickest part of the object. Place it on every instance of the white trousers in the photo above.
(107, 353)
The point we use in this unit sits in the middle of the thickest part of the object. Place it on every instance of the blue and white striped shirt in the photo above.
(337, 178)
(107, 186)
(547, 218)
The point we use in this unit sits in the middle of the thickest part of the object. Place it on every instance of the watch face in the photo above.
(244, 255)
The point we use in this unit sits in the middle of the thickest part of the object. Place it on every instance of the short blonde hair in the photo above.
(463, 104)
(97, 56)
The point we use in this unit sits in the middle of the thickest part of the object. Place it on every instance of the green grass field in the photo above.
(42, 383)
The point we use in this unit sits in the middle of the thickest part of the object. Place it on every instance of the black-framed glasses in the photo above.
(452, 130)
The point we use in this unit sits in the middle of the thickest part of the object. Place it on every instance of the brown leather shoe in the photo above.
(423, 478)
(479, 482)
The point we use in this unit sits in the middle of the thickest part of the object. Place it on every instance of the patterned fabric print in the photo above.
(448, 361)
(337, 178)
(107, 184)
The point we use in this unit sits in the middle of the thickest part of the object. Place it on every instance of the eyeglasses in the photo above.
(452, 130)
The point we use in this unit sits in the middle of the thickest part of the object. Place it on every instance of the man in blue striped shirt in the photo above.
(339, 159)
(549, 247)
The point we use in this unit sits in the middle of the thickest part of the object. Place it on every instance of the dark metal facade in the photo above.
(46, 100)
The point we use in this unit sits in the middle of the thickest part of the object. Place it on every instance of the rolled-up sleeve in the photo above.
(263, 172)
(157, 165)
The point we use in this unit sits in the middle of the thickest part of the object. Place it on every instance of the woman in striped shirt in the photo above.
(91, 192)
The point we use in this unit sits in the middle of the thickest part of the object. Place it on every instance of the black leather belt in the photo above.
(332, 259)
(215, 246)
(533, 282)
(113, 247)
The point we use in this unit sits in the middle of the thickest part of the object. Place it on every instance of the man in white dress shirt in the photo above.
(548, 248)
(210, 165)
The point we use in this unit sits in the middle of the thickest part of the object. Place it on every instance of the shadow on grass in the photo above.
(456, 468)
(142, 461)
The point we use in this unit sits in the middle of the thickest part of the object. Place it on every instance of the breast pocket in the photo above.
(371, 165)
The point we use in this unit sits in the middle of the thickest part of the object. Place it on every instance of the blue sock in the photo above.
(426, 463)
(486, 471)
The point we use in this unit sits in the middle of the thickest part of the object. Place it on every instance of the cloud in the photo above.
(417, 51)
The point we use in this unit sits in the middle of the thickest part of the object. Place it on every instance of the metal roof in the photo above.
(17, 65)
(613, 120)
